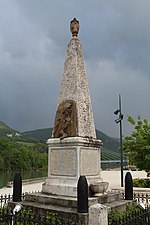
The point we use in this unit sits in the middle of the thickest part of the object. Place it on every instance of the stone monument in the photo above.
(73, 149)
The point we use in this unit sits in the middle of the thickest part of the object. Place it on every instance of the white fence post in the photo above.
(98, 215)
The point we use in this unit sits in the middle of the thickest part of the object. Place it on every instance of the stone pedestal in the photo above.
(98, 215)
(67, 160)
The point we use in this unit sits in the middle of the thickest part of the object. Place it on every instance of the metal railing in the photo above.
(141, 217)
(4, 199)
(141, 197)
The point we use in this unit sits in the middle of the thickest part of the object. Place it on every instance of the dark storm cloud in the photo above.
(115, 37)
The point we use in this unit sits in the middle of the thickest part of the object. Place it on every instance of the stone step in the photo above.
(47, 199)
(70, 213)
(109, 197)
(65, 201)
(119, 205)
(111, 200)
(47, 207)
(66, 213)
(66, 207)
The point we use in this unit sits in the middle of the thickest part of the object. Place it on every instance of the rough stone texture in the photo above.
(74, 87)
(98, 215)
(73, 148)
(63, 161)
(68, 159)
(90, 160)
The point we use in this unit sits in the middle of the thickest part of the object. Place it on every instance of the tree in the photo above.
(22, 156)
(137, 145)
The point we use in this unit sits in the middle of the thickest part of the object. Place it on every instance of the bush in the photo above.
(27, 216)
(143, 183)
(116, 215)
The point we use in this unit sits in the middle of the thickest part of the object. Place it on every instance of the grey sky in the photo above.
(34, 35)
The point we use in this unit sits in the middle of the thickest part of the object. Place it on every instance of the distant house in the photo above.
(10, 135)
(18, 134)
(14, 135)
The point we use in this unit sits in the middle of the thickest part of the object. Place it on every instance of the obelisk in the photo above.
(73, 149)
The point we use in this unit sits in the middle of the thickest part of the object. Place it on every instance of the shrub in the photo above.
(116, 215)
(143, 183)
(27, 216)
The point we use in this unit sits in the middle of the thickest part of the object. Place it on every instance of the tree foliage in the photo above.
(15, 156)
(137, 145)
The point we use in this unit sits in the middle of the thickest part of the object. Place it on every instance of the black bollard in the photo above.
(17, 188)
(128, 187)
(82, 195)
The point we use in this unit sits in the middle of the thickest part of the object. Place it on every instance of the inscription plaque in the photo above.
(63, 162)
(90, 162)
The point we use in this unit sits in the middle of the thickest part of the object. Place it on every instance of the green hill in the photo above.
(42, 134)
(4, 129)
(108, 142)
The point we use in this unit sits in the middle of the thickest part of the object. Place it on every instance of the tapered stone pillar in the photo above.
(73, 148)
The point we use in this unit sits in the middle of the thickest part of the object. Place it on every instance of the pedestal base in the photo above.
(68, 160)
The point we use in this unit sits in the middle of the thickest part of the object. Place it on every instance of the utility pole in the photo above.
(119, 120)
